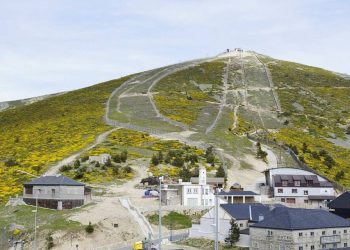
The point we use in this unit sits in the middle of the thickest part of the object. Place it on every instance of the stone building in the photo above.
(56, 192)
(244, 215)
(299, 229)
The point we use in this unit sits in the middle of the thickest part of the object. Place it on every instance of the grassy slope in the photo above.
(172, 100)
(46, 131)
(325, 101)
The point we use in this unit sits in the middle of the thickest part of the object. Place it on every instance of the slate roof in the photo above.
(342, 201)
(300, 219)
(53, 180)
(238, 193)
(241, 211)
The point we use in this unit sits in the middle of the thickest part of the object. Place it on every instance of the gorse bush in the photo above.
(49, 130)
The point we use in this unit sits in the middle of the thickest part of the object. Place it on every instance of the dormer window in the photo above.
(309, 182)
(297, 183)
(284, 183)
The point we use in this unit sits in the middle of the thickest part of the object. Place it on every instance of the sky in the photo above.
(49, 46)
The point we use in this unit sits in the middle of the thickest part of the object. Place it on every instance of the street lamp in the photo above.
(161, 178)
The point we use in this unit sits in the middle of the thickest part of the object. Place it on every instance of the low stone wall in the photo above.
(53, 204)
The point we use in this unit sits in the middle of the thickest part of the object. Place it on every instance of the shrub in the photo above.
(89, 228)
(10, 162)
(128, 169)
(124, 156)
(65, 168)
(49, 241)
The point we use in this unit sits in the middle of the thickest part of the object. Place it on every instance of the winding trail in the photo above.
(224, 98)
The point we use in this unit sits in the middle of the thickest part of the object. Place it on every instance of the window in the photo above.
(335, 245)
(309, 182)
(269, 233)
(324, 246)
(283, 199)
(294, 191)
(312, 247)
(210, 202)
(345, 244)
(300, 234)
(345, 231)
(306, 192)
(39, 191)
(297, 183)
(323, 232)
(301, 248)
(284, 183)
(306, 201)
(334, 231)
(53, 192)
(240, 224)
(189, 190)
(280, 190)
(195, 190)
(206, 191)
(312, 234)
(29, 190)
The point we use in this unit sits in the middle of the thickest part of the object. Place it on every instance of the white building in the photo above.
(244, 215)
(102, 159)
(297, 186)
(300, 229)
(56, 192)
(189, 194)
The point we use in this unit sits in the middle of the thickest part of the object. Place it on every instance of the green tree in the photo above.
(116, 158)
(160, 156)
(76, 164)
(220, 172)
(49, 241)
(178, 162)
(124, 156)
(233, 234)
(108, 163)
(155, 160)
(339, 175)
(185, 174)
(89, 228)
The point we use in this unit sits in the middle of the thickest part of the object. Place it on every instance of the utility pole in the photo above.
(160, 213)
(216, 219)
(35, 219)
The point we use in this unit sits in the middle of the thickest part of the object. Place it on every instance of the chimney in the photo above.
(261, 217)
(250, 213)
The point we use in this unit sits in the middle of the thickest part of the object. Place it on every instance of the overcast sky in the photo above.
(47, 46)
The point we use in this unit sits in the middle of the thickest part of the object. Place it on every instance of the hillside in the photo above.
(213, 101)
(37, 135)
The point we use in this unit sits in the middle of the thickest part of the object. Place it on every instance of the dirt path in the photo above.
(223, 101)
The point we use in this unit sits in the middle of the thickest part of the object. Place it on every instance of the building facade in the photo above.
(188, 193)
(300, 229)
(297, 186)
(55, 192)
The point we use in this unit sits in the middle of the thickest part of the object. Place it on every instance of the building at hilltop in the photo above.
(297, 186)
(56, 192)
(297, 228)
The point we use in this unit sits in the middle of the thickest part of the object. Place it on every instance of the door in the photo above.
(291, 200)
(192, 202)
